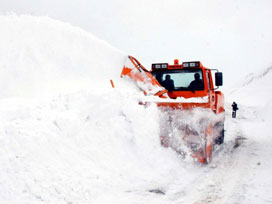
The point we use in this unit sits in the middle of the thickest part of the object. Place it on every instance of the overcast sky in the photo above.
(234, 36)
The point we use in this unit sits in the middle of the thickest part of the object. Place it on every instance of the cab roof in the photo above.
(176, 65)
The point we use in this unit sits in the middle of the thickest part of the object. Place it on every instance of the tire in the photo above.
(220, 139)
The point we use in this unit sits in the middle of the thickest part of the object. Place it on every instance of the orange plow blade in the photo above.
(143, 78)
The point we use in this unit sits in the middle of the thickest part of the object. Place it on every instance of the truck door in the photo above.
(211, 92)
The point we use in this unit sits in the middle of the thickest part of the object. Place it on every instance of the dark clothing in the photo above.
(234, 109)
(197, 84)
(168, 84)
(234, 106)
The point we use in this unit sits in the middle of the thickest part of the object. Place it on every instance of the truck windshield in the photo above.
(181, 80)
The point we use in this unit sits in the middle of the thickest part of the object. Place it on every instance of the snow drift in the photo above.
(253, 125)
(255, 91)
(65, 135)
(44, 56)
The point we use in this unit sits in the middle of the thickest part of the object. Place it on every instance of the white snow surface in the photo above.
(67, 137)
(40, 56)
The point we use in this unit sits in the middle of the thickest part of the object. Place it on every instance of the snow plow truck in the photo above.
(192, 109)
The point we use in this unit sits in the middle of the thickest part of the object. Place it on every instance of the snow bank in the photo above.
(85, 142)
(39, 55)
(254, 120)
(255, 90)
(82, 148)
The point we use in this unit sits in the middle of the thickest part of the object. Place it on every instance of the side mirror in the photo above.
(218, 79)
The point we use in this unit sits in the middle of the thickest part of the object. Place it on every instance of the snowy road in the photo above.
(240, 171)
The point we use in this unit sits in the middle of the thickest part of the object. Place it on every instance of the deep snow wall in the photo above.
(39, 55)
(65, 135)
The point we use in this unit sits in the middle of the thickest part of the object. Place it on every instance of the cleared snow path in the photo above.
(241, 170)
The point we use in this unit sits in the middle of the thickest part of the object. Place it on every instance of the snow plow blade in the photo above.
(143, 78)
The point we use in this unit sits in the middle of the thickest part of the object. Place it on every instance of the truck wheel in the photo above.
(220, 139)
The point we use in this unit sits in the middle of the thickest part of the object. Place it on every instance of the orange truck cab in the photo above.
(190, 80)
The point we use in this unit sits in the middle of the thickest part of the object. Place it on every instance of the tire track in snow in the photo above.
(221, 179)
(233, 166)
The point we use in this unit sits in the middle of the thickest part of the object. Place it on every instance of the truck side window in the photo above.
(208, 80)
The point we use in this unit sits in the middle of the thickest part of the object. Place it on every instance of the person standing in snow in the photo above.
(234, 109)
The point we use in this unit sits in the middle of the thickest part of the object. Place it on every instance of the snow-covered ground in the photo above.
(67, 137)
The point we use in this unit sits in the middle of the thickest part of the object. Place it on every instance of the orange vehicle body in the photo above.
(206, 98)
